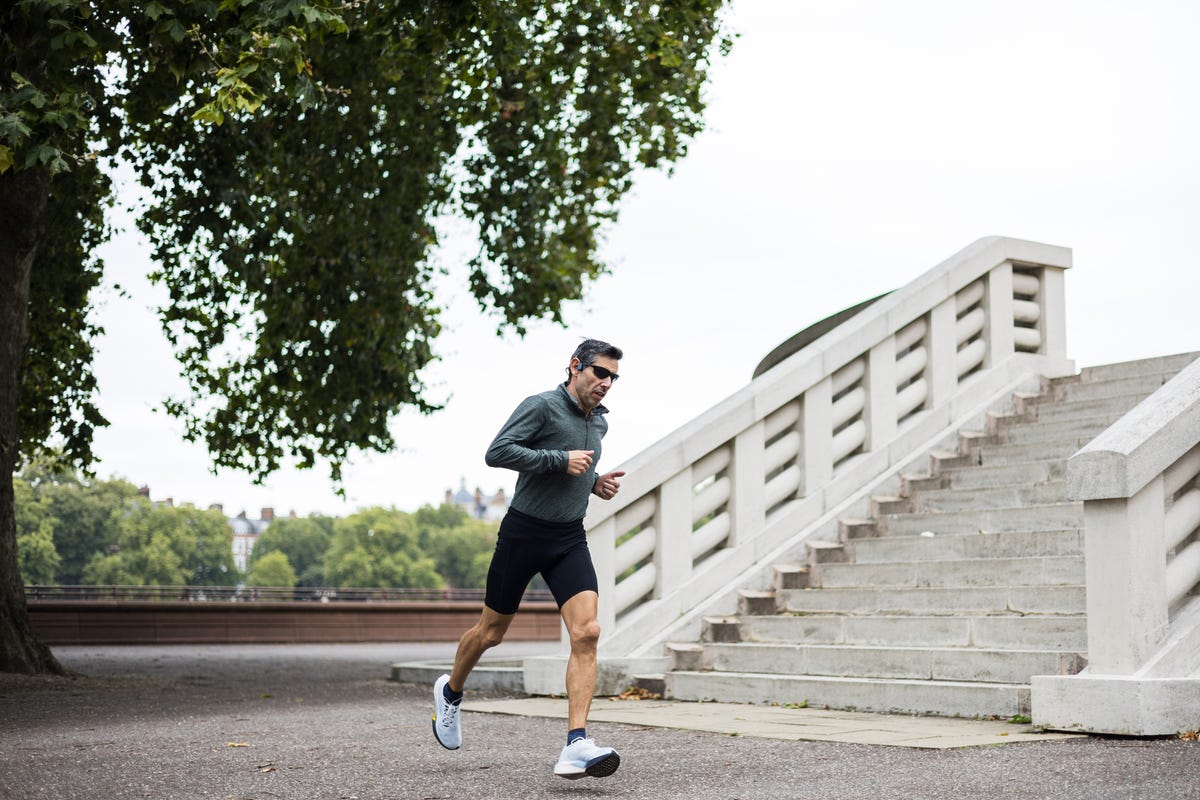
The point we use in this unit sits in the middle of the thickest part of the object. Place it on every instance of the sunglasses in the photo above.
(601, 372)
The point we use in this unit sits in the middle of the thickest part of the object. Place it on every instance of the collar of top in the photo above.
(565, 393)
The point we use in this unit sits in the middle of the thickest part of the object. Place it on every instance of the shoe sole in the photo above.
(571, 776)
(604, 767)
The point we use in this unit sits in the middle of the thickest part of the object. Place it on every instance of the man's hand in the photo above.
(607, 485)
(579, 461)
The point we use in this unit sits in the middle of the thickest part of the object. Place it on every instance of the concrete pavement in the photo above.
(789, 724)
(322, 721)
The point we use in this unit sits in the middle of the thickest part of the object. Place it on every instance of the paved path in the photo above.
(789, 724)
(311, 722)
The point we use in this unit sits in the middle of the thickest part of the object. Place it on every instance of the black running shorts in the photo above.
(527, 546)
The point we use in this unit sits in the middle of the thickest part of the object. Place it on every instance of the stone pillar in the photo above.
(748, 506)
(673, 522)
(818, 436)
(602, 542)
(1053, 301)
(943, 349)
(1126, 580)
(998, 330)
(881, 394)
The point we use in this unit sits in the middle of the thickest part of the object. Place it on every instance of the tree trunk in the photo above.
(23, 196)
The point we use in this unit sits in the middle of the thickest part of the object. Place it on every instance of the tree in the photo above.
(273, 569)
(297, 155)
(85, 514)
(303, 541)
(39, 560)
(167, 546)
(461, 547)
(379, 547)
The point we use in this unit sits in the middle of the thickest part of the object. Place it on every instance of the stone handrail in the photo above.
(1139, 483)
(711, 499)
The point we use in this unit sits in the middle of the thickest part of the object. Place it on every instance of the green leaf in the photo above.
(6, 159)
(154, 9)
(209, 112)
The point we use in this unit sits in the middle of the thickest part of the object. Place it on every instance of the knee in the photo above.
(489, 636)
(585, 635)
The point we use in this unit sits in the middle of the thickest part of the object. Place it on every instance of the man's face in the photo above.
(588, 387)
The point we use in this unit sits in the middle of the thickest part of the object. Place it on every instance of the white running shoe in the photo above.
(446, 726)
(582, 757)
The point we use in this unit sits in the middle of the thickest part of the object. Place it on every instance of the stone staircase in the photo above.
(951, 594)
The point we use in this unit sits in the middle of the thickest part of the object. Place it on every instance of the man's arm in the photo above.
(508, 450)
(607, 485)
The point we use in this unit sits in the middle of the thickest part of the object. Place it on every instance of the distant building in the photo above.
(246, 532)
(477, 504)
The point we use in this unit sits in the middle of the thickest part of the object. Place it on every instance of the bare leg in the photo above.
(579, 614)
(486, 633)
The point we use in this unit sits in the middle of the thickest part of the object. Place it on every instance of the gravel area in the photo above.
(322, 721)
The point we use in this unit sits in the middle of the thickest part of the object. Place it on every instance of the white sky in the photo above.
(853, 144)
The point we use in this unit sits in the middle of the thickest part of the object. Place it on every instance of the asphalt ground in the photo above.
(322, 721)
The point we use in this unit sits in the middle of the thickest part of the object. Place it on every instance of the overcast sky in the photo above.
(851, 147)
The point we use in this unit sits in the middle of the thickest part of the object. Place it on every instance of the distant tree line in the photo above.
(73, 530)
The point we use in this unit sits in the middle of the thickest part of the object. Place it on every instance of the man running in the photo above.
(553, 441)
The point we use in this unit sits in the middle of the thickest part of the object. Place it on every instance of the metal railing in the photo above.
(249, 594)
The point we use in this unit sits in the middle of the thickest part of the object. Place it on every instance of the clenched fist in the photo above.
(579, 461)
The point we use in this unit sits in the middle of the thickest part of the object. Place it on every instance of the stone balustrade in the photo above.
(713, 499)
(1140, 483)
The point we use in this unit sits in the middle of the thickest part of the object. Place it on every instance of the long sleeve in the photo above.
(535, 442)
(511, 448)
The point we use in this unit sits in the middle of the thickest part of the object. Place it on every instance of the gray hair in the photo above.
(590, 349)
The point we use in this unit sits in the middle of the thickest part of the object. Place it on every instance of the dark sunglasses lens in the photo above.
(602, 373)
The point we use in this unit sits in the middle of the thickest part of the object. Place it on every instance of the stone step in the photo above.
(827, 552)
(958, 547)
(488, 676)
(1051, 516)
(751, 602)
(1008, 454)
(935, 698)
(942, 460)
(998, 632)
(789, 576)
(1094, 407)
(911, 663)
(1030, 571)
(1022, 474)
(1054, 430)
(935, 601)
(913, 482)
(1127, 369)
(995, 497)
(654, 683)
(1146, 383)
(979, 476)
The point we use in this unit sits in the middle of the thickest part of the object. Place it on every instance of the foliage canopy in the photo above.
(297, 156)
(75, 530)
